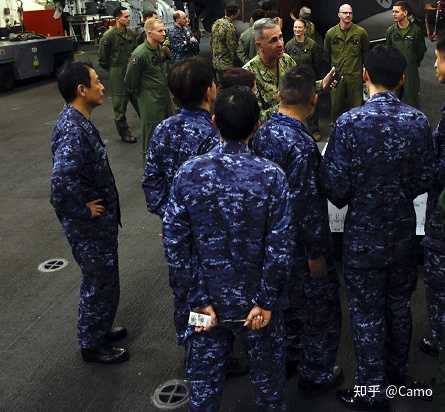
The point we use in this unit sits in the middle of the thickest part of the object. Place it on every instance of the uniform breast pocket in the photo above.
(409, 42)
(354, 47)
(337, 44)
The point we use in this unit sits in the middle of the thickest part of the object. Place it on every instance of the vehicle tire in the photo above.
(7, 80)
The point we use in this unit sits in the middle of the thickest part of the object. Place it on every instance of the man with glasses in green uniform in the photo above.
(346, 45)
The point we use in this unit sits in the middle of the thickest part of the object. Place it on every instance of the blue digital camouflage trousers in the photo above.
(435, 288)
(313, 324)
(380, 308)
(322, 327)
(207, 355)
(99, 289)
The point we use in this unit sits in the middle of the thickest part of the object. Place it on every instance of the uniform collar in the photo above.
(85, 123)
(383, 96)
(196, 112)
(122, 31)
(234, 147)
(282, 118)
(269, 74)
(149, 47)
(407, 28)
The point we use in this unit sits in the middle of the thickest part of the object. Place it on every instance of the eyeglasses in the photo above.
(346, 12)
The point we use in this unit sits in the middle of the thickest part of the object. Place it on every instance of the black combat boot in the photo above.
(105, 354)
(124, 131)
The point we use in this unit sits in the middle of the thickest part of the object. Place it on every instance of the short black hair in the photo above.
(298, 86)
(71, 75)
(440, 45)
(231, 10)
(189, 79)
(236, 76)
(258, 14)
(236, 113)
(403, 5)
(118, 11)
(385, 66)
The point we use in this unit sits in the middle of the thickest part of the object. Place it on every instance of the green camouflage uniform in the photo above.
(146, 79)
(223, 43)
(346, 50)
(411, 43)
(115, 48)
(310, 30)
(268, 82)
(246, 46)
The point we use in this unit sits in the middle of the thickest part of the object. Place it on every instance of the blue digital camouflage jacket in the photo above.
(175, 140)
(435, 219)
(81, 173)
(227, 230)
(379, 158)
(287, 142)
(181, 45)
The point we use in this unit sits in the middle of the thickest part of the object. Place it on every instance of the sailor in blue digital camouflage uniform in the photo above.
(180, 39)
(378, 160)
(176, 139)
(85, 198)
(285, 140)
(226, 232)
(186, 134)
(434, 244)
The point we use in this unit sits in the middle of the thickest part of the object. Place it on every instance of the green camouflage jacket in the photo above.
(223, 43)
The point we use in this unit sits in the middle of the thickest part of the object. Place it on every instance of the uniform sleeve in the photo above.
(242, 50)
(155, 182)
(318, 57)
(194, 45)
(67, 191)
(335, 171)
(232, 43)
(420, 46)
(442, 201)
(276, 248)
(439, 150)
(178, 245)
(179, 42)
(327, 46)
(105, 47)
(134, 74)
(425, 166)
(287, 47)
(311, 211)
(365, 44)
(389, 37)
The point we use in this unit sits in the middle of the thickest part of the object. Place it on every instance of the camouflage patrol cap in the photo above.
(305, 12)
